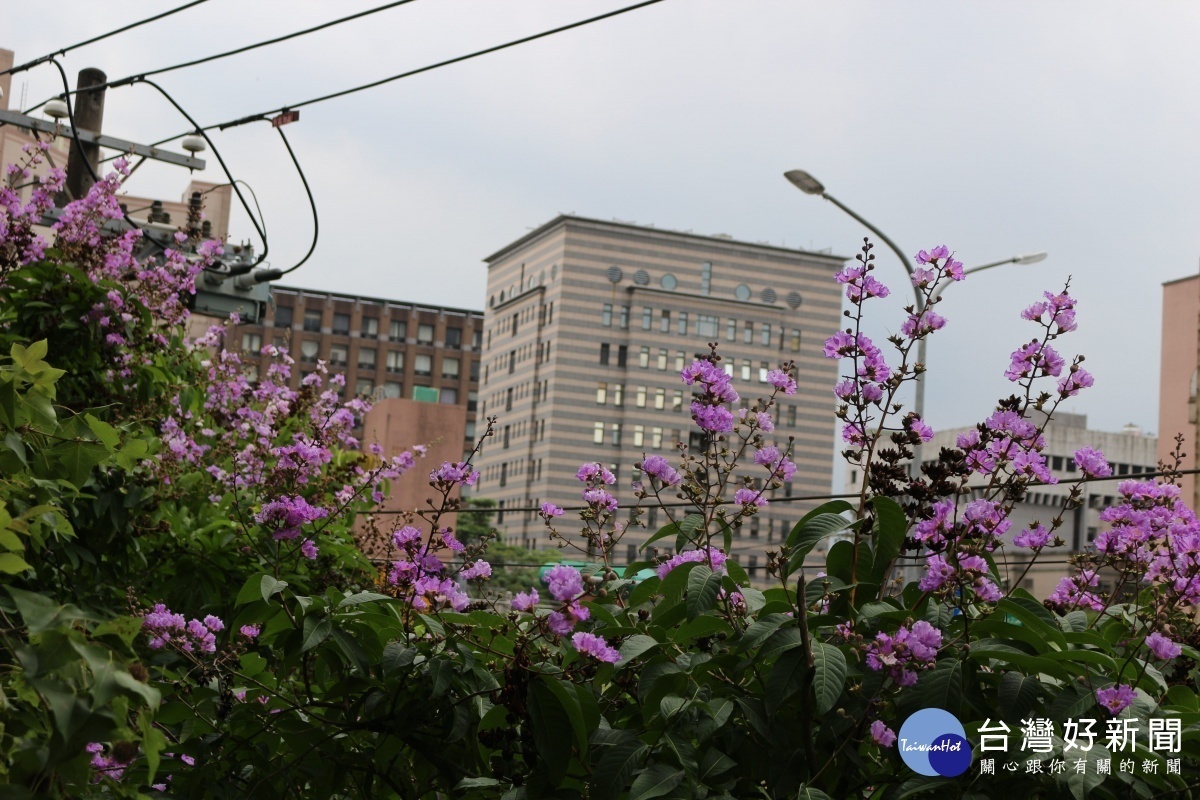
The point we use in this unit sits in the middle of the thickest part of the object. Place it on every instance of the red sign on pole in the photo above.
(285, 118)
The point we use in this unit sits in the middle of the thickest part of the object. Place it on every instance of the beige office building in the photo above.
(587, 327)
(1177, 395)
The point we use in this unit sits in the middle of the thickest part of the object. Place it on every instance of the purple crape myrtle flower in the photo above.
(250, 631)
(452, 473)
(477, 571)
(900, 655)
(1034, 359)
(308, 549)
(1033, 538)
(935, 532)
(1116, 698)
(709, 410)
(564, 582)
(920, 428)
(711, 556)
(1162, 647)
(1092, 463)
(563, 622)
(749, 497)
(166, 627)
(551, 510)
(882, 734)
(1031, 463)
(922, 324)
(986, 519)
(860, 284)
(287, 514)
(111, 766)
(1077, 378)
(659, 467)
(933, 255)
(595, 473)
(595, 646)
(781, 380)
(1074, 592)
(525, 601)
(1056, 309)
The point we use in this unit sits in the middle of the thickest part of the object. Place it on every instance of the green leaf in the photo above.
(551, 730)
(316, 630)
(635, 646)
(830, 675)
(41, 612)
(942, 687)
(702, 589)
(13, 564)
(684, 526)
(106, 433)
(1033, 615)
(809, 793)
(714, 763)
(786, 678)
(811, 530)
(362, 597)
(655, 781)
(396, 656)
(890, 527)
(1017, 694)
(77, 459)
(269, 586)
(614, 769)
(570, 703)
(760, 629)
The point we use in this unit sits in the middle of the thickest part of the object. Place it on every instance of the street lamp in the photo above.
(810, 185)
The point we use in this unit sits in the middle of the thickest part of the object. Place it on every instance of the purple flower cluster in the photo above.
(780, 466)
(711, 556)
(287, 514)
(450, 474)
(1162, 647)
(110, 765)
(422, 577)
(860, 284)
(905, 652)
(595, 646)
(1116, 698)
(565, 584)
(525, 601)
(659, 467)
(595, 478)
(168, 628)
(709, 410)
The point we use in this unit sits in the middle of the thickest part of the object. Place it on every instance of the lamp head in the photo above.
(1031, 258)
(804, 182)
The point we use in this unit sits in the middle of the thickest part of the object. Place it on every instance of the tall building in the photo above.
(420, 362)
(588, 325)
(1177, 395)
(1130, 451)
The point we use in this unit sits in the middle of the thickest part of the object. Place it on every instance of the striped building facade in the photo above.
(587, 327)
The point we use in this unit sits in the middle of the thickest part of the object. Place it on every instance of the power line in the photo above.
(312, 204)
(94, 39)
(292, 107)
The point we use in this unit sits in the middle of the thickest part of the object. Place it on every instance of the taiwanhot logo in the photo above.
(933, 742)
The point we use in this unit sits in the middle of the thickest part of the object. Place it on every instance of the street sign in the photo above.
(285, 118)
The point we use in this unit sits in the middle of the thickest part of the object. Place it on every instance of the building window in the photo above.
(503, 482)
(364, 386)
(660, 396)
(677, 403)
(370, 327)
(624, 317)
(604, 354)
(641, 397)
(706, 325)
(337, 355)
(616, 434)
(795, 340)
(598, 433)
(251, 342)
(308, 350)
(454, 338)
(662, 359)
(791, 416)
(601, 393)
(665, 321)
(746, 369)
(507, 431)
(477, 339)
(748, 338)
(423, 365)
(618, 394)
(706, 277)
(398, 330)
(622, 352)
(366, 358)
(508, 400)
(731, 330)
(312, 321)
(647, 317)
(472, 401)
(395, 361)
(680, 361)
(656, 438)
(644, 358)
(393, 389)
(451, 367)
(763, 368)
(606, 316)
(283, 317)
(765, 335)
(683, 323)
(424, 334)
(639, 435)
(341, 324)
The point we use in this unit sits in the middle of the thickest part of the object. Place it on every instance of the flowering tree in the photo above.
(185, 613)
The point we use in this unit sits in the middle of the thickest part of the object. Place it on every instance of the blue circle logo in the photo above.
(933, 742)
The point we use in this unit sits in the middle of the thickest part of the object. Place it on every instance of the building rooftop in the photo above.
(717, 240)
(380, 300)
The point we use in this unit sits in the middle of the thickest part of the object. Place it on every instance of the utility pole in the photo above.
(89, 116)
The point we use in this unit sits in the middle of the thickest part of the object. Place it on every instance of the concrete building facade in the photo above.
(1131, 453)
(1177, 377)
(587, 327)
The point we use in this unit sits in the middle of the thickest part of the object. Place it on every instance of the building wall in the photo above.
(547, 327)
(1181, 314)
(1130, 452)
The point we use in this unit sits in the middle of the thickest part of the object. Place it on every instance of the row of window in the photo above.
(511, 324)
(397, 332)
(663, 359)
(540, 351)
(707, 326)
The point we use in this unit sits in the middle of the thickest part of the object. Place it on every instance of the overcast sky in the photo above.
(997, 128)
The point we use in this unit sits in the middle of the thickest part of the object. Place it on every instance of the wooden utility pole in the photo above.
(89, 116)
